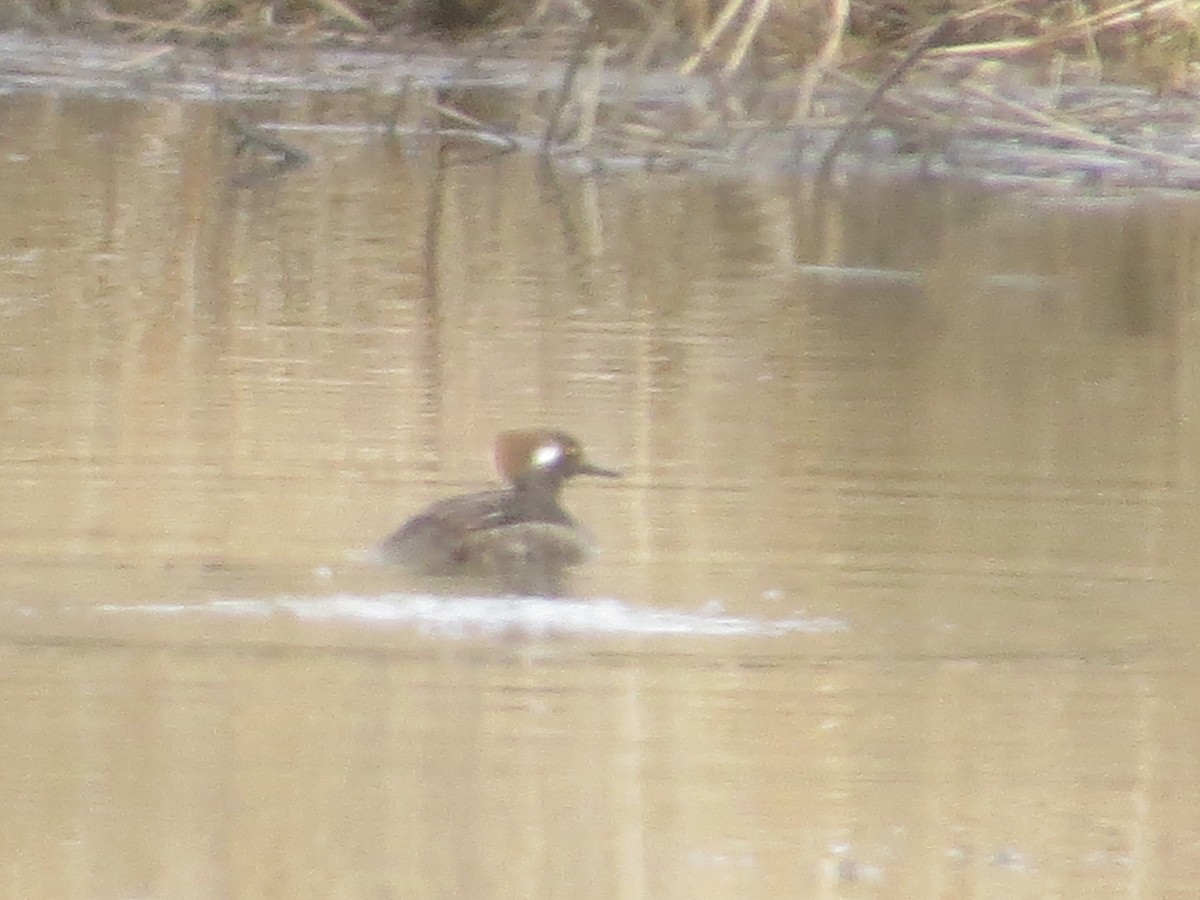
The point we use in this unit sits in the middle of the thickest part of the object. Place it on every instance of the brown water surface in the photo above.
(897, 597)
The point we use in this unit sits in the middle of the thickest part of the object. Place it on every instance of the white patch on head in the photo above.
(547, 455)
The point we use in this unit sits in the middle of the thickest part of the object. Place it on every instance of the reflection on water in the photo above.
(894, 599)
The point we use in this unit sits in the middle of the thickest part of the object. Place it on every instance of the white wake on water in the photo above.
(465, 616)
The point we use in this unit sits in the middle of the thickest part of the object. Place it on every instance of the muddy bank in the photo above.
(939, 120)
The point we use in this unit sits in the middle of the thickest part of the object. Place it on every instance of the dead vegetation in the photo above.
(938, 79)
(1156, 42)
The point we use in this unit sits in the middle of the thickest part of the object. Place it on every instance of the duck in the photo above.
(519, 537)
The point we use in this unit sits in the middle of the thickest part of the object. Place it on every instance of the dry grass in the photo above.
(1153, 41)
(932, 73)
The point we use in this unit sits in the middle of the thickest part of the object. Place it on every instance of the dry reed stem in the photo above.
(639, 64)
(967, 16)
(1056, 129)
(893, 78)
(839, 15)
(480, 130)
(749, 31)
(724, 20)
(587, 97)
(345, 13)
(1079, 30)
(584, 39)
(144, 59)
(152, 28)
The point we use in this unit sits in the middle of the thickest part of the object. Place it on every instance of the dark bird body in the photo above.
(518, 538)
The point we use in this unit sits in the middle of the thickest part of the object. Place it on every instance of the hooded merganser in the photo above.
(518, 538)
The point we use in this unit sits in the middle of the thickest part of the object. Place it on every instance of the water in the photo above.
(895, 599)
